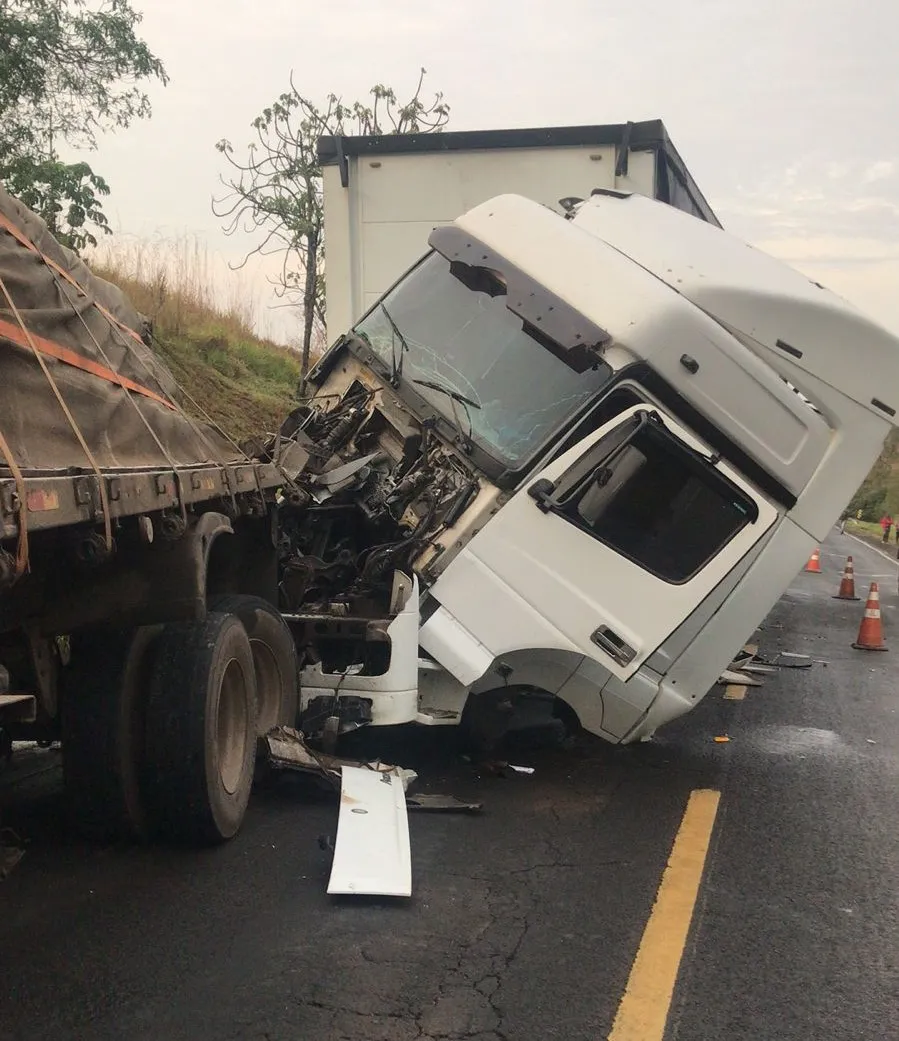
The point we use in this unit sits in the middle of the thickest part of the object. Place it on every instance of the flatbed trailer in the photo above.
(138, 560)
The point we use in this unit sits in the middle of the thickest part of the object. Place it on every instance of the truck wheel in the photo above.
(103, 707)
(201, 729)
(274, 659)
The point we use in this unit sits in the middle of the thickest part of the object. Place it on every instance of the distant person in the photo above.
(843, 520)
(886, 524)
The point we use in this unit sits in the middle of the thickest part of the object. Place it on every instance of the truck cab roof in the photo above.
(717, 319)
(762, 301)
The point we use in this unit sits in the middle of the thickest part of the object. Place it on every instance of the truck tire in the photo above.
(201, 729)
(274, 659)
(103, 710)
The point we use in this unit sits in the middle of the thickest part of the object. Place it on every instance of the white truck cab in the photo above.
(596, 449)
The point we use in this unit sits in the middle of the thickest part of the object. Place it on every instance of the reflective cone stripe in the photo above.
(847, 585)
(870, 632)
(814, 563)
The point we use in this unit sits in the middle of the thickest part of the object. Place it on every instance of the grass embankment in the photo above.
(879, 492)
(872, 533)
(244, 383)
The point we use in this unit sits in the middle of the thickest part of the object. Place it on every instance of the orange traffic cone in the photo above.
(870, 633)
(847, 585)
(814, 563)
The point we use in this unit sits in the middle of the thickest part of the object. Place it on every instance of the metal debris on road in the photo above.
(287, 750)
(739, 677)
(790, 660)
(441, 804)
(500, 768)
(372, 855)
(745, 665)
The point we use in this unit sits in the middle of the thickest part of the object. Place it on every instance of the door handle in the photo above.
(616, 648)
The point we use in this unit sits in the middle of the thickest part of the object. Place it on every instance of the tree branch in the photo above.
(277, 187)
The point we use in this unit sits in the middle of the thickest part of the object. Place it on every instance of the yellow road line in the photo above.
(735, 692)
(643, 1011)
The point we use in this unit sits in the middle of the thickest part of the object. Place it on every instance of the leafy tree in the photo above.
(277, 189)
(879, 491)
(870, 500)
(69, 71)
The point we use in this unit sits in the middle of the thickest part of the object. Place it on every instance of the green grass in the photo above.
(244, 383)
(872, 533)
(879, 492)
(867, 528)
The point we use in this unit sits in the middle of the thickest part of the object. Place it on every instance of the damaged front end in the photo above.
(420, 425)
(373, 491)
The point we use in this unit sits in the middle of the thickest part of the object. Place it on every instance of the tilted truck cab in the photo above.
(610, 440)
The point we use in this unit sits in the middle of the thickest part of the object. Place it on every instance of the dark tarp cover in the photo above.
(123, 428)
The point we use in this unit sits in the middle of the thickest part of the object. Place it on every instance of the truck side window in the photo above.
(653, 500)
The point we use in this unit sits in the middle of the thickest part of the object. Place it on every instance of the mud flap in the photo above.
(372, 855)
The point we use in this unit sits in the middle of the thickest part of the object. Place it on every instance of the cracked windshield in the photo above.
(487, 374)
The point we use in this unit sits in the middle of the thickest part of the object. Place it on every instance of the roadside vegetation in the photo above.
(879, 493)
(69, 72)
(204, 334)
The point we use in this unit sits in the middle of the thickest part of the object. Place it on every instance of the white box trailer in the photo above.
(384, 195)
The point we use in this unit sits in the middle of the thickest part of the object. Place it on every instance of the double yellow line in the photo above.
(643, 1011)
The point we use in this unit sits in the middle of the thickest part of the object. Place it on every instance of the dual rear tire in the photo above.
(201, 730)
(160, 725)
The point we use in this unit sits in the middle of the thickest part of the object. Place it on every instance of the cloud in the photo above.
(837, 171)
(817, 198)
(879, 171)
(830, 249)
(783, 129)
(836, 221)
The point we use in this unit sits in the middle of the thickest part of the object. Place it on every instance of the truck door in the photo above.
(609, 548)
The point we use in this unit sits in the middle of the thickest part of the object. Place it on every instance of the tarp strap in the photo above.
(7, 225)
(140, 414)
(101, 484)
(23, 240)
(54, 350)
(19, 335)
(142, 362)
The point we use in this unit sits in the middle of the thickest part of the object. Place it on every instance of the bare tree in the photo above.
(276, 191)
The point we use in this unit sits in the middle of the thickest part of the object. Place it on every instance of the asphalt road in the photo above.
(526, 919)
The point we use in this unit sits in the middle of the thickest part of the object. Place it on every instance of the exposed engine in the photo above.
(373, 488)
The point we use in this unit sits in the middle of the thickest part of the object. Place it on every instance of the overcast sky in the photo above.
(785, 111)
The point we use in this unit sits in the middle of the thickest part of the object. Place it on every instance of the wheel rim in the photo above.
(232, 726)
(268, 686)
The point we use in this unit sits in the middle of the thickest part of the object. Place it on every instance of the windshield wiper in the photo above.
(450, 392)
(396, 368)
(454, 395)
